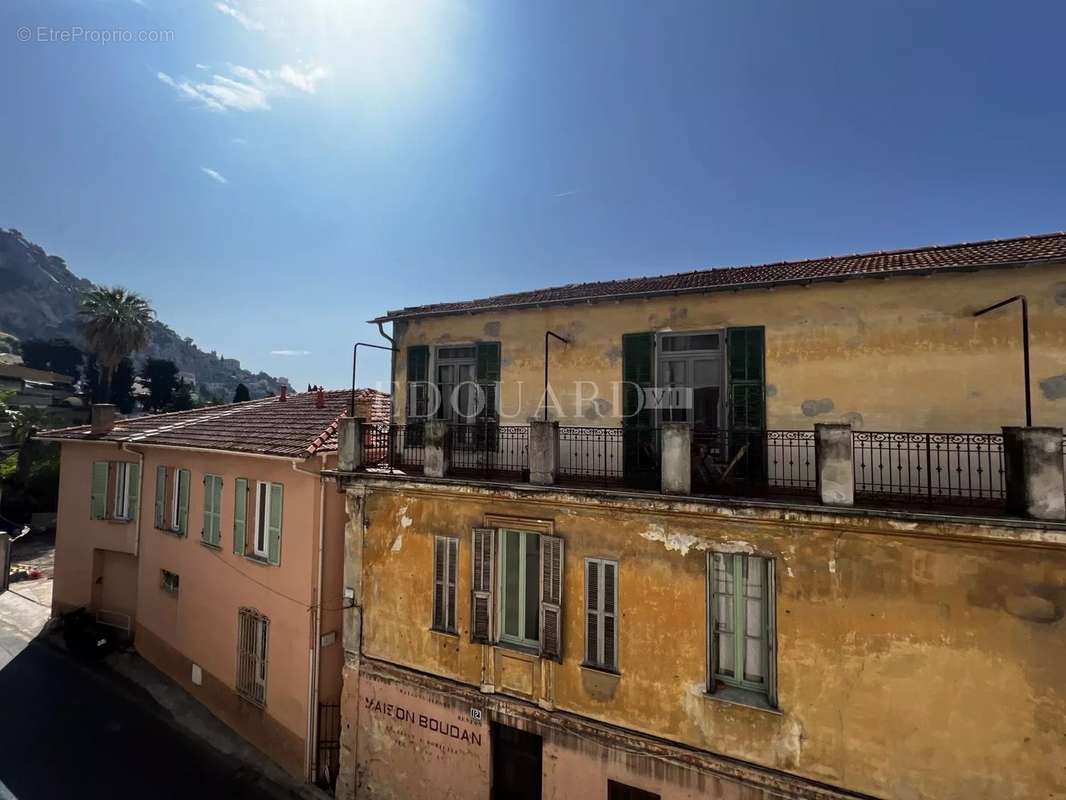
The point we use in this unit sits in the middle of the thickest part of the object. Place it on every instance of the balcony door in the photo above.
(693, 361)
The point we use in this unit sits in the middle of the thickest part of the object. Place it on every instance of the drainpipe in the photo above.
(392, 369)
(125, 447)
(311, 739)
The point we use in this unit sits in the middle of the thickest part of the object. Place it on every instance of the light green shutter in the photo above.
(216, 504)
(274, 532)
(184, 478)
(212, 509)
(98, 498)
(240, 514)
(133, 478)
(160, 497)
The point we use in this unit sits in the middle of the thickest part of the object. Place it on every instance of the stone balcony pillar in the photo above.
(676, 458)
(1032, 461)
(543, 451)
(435, 439)
(835, 464)
(349, 445)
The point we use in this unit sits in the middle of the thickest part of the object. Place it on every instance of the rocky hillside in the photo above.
(39, 299)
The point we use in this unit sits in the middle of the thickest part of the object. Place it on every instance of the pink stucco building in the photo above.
(214, 539)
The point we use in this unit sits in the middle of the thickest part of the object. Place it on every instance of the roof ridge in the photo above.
(528, 296)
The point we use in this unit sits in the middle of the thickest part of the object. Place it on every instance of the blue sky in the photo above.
(272, 174)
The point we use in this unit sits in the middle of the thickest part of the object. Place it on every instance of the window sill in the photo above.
(211, 545)
(442, 632)
(747, 698)
(260, 560)
(524, 649)
(171, 532)
(612, 673)
(119, 521)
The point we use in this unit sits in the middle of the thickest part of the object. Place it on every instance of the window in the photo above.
(622, 791)
(528, 583)
(180, 487)
(252, 638)
(262, 519)
(601, 602)
(520, 587)
(212, 530)
(445, 562)
(742, 623)
(168, 581)
(115, 490)
(122, 490)
(693, 362)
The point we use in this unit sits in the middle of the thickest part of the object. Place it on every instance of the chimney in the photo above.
(320, 398)
(103, 418)
(284, 392)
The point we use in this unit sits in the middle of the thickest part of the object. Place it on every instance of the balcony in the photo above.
(948, 472)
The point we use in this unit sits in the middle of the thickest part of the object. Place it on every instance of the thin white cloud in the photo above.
(302, 78)
(247, 22)
(239, 140)
(202, 66)
(247, 89)
(213, 175)
(567, 194)
(290, 352)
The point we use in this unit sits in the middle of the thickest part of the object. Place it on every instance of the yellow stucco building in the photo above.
(780, 531)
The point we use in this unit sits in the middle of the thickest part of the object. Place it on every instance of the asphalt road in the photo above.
(70, 728)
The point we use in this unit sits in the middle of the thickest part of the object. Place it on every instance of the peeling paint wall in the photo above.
(902, 354)
(910, 664)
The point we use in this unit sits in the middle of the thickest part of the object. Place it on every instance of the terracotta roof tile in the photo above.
(294, 428)
(974, 255)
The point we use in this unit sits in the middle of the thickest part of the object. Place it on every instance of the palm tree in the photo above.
(115, 323)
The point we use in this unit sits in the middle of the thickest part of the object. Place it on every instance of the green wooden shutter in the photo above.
(98, 497)
(134, 490)
(161, 497)
(746, 366)
(488, 378)
(488, 362)
(640, 462)
(184, 478)
(747, 390)
(240, 514)
(277, 492)
(417, 373)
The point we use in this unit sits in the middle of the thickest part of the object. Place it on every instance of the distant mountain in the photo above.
(39, 299)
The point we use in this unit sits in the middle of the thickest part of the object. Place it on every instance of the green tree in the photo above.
(57, 355)
(182, 397)
(122, 386)
(241, 395)
(116, 323)
(161, 377)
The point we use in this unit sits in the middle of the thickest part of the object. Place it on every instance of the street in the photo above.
(77, 729)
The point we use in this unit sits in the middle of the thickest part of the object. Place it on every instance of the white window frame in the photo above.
(690, 357)
(175, 500)
(122, 490)
(262, 520)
